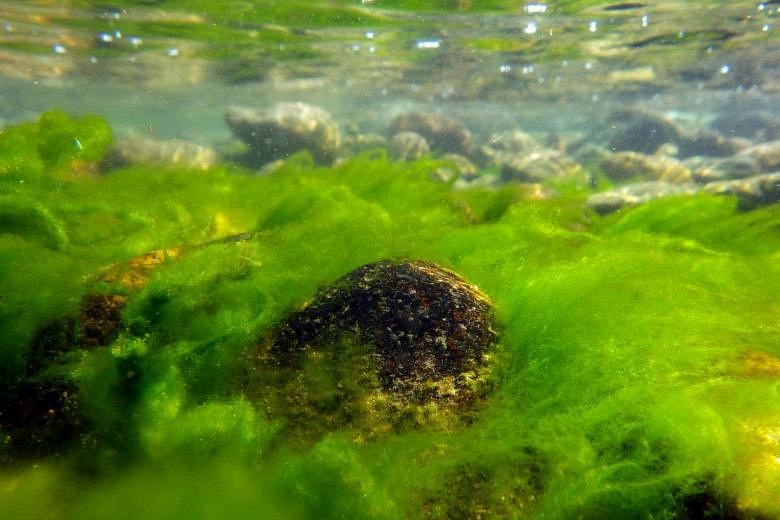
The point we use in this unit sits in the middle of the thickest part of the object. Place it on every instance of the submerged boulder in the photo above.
(284, 129)
(422, 322)
(641, 131)
(443, 134)
(408, 146)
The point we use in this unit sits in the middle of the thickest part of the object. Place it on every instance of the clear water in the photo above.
(172, 71)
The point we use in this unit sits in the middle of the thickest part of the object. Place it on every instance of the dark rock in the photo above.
(51, 342)
(284, 129)
(750, 125)
(101, 319)
(641, 131)
(709, 144)
(423, 322)
(41, 418)
(706, 501)
(408, 146)
(634, 194)
(444, 134)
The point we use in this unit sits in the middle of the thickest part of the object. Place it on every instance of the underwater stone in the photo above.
(641, 131)
(536, 166)
(423, 322)
(634, 194)
(101, 319)
(750, 125)
(753, 192)
(458, 167)
(444, 134)
(734, 167)
(710, 144)
(42, 416)
(284, 129)
(358, 143)
(408, 146)
(514, 141)
(767, 154)
(159, 152)
(621, 166)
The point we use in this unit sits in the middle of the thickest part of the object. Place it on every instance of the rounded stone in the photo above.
(284, 129)
(408, 146)
(423, 322)
(443, 134)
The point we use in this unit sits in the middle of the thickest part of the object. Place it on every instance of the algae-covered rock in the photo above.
(443, 133)
(32, 221)
(422, 321)
(284, 129)
(389, 346)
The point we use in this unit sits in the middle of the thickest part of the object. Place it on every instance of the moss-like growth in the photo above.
(637, 373)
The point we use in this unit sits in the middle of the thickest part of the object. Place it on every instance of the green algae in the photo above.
(636, 374)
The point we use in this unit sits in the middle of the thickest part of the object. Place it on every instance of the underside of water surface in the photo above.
(631, 365)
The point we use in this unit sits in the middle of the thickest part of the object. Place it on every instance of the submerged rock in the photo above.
(444, 134)
(621, 166)
(633, 194)
(422, 322)
(735, 167)
(753, 192)
(284, 129)
(767, 154)
(642, 131)
(408, 146)
(458, 167)
(751, 125)
(709, 143)
(358, 143)
(157, 152)
(514, 141)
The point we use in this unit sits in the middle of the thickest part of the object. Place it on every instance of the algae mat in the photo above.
(635, 376)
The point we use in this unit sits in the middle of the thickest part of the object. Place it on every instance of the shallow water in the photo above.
(614, 198)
